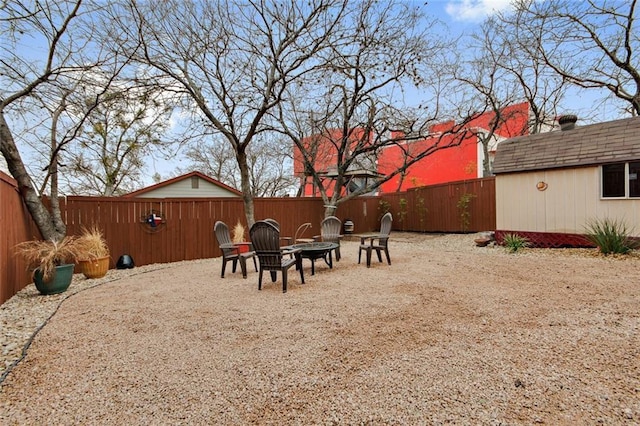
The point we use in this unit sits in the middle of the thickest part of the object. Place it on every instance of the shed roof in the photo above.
(602, 143)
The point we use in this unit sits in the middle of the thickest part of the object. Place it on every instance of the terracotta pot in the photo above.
(96, 268)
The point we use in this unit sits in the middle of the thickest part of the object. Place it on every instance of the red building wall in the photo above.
(459, 162)
(447, 165)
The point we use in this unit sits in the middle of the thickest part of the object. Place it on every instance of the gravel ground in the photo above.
(449, 333)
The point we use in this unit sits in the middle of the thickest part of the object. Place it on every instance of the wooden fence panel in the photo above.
(15, 227)
(436, 208)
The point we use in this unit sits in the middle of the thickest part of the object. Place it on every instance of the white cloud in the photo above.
(474, 10)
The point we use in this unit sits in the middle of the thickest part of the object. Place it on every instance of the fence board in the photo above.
(15, 227)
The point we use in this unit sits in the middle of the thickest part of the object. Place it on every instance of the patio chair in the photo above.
(284, 241)
(266, 241)
(378, 242)
(232, 252)
(330, 232)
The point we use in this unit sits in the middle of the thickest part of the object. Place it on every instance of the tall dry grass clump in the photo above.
(92, 244)
(45, 255)
(237, 234)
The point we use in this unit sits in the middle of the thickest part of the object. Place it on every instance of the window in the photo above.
(195, 182)
(620, 180)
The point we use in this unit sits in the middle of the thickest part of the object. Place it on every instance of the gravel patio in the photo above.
(450, 333)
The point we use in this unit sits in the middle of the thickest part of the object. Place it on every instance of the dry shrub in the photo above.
(47, 254)
(92, 244)
(238, 233)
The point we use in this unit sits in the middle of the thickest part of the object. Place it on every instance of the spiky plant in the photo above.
(515, 242)
(610, 236)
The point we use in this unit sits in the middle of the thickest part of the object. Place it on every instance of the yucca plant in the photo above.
(610, 236)
(515, 242)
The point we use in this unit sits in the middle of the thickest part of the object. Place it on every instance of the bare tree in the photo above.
(233, 60)
(357, 110)
(269, 163)
(128, 124)
(591, 44)
(66, 29)
(502, 71)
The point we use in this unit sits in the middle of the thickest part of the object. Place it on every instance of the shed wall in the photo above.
(570, 201)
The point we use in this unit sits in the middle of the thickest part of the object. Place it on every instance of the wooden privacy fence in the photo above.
(442, 208)
(182, 229)
(15, 226)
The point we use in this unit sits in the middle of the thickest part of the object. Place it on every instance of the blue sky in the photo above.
(467, 13)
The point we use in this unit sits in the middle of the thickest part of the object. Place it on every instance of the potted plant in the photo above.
(53, 262)
(93, 258)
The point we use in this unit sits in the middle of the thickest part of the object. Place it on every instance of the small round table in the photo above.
(317, 250)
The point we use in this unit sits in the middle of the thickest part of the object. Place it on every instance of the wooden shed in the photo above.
(550, 186)
(190, 185)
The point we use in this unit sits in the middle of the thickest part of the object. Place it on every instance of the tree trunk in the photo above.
(247, 195)
(39, 213)
(329, 210)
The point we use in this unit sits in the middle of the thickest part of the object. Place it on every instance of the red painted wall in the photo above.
(451, 164)
(446, 165)
(460, 161)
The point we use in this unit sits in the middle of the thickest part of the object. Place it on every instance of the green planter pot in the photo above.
(59, 283)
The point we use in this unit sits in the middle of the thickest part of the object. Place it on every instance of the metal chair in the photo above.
(265, 237)
(231, 252)
(297, 238)
(382, 239)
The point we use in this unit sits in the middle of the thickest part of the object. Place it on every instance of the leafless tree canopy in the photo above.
(232, 61)
(592, 44)
(108, 156)
(269, 162)
(65, 57)
(353, 107)
(254, 74)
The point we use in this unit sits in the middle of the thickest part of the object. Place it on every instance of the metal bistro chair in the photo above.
(266, 242)
(382, 239)
(330, 232)
(297, 238)
(231, 252)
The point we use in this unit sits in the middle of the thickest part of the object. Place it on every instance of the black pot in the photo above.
(125, 262)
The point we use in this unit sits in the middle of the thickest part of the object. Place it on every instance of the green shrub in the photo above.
(515, 242)
(610, 236)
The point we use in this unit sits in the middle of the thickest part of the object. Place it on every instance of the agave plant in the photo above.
(610, 236)
(514, 242)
